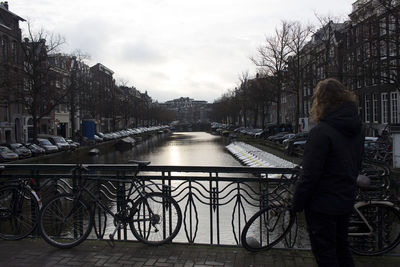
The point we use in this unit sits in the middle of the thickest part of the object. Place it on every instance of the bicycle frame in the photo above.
(367, 224)
(133, 188)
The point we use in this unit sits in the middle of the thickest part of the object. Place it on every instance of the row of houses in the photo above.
(64, 93)
(362, 52)
(188, 110)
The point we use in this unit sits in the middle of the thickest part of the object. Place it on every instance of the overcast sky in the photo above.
(172, 48)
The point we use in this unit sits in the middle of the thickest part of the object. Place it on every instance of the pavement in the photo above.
(35, 252)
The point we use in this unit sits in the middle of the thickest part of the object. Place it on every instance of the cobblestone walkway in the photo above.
(35, 252)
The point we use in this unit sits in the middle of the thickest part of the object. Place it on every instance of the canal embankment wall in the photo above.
(72, 156)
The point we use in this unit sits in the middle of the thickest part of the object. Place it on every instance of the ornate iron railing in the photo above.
(215, 201)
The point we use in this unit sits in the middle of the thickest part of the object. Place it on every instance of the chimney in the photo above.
(5, 5)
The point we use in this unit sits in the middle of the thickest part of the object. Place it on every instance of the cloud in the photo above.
(172, 48)
(140, 53)
(91, 35)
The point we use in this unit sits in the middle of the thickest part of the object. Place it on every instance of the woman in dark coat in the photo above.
(331, 162)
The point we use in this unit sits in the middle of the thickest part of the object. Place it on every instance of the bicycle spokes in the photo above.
(374, 229)
(157, 219)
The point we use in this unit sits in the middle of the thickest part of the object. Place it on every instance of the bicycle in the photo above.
(154, 218)
(19, 209)
(272, 223)
(374, 225)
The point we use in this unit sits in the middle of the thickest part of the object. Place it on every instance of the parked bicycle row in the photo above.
(48, 144)
(67, 213)
(374, 227)
(66, 217)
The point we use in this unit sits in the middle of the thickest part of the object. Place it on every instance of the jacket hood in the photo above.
(345, 119)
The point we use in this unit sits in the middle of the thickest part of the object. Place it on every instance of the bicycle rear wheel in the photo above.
(65, 221)
(19, 211)
(267, 228)
(156, 219)
(385, 235)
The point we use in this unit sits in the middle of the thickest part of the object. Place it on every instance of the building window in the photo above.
(384, 107)
(358, 53)
(374, 49)
(4, 112)
(367, 52)
(392, 24)
(383, 49)
(367, 102)
(393, 71)
(4, 44)
(382, 26)
(394, 107)
(392, 49)
(14, 51)
(359, 77)
(374, 72)
(375, 107)
(383, 76)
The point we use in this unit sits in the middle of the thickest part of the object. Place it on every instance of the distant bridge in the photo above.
(192, 127)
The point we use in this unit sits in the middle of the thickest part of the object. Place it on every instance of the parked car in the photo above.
(21, 150)
(72, 144)
(47, 146)
(300, 144)
(7, 154)
(100, 134)
(371, 138)
(285, 137)
(298, 141)
(256, 132)
(59, 142)
(35, 149)
(377, 150)
(277, 137)
(296, 137)
(97, 138)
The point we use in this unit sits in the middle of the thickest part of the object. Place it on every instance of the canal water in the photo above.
(179, 148)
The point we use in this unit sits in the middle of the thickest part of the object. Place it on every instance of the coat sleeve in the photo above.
(314, 157)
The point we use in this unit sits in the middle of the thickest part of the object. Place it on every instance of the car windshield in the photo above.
(45, 142)
(15, 145)
(4, 149)
(59, 140)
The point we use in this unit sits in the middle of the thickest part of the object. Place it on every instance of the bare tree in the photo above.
(299, 37)
(79, 87)
(38, 95)
(389, 42)
(272, 59)
(262, 93)
(243, 94)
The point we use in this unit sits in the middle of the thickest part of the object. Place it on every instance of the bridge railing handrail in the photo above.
(215, 201)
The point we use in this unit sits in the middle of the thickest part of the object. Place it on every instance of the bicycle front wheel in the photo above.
(156, 219)
(267, 228)
(376, 231)
(19, 211)
(65, 221)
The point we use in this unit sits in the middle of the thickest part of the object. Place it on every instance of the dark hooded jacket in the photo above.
(331, 162)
